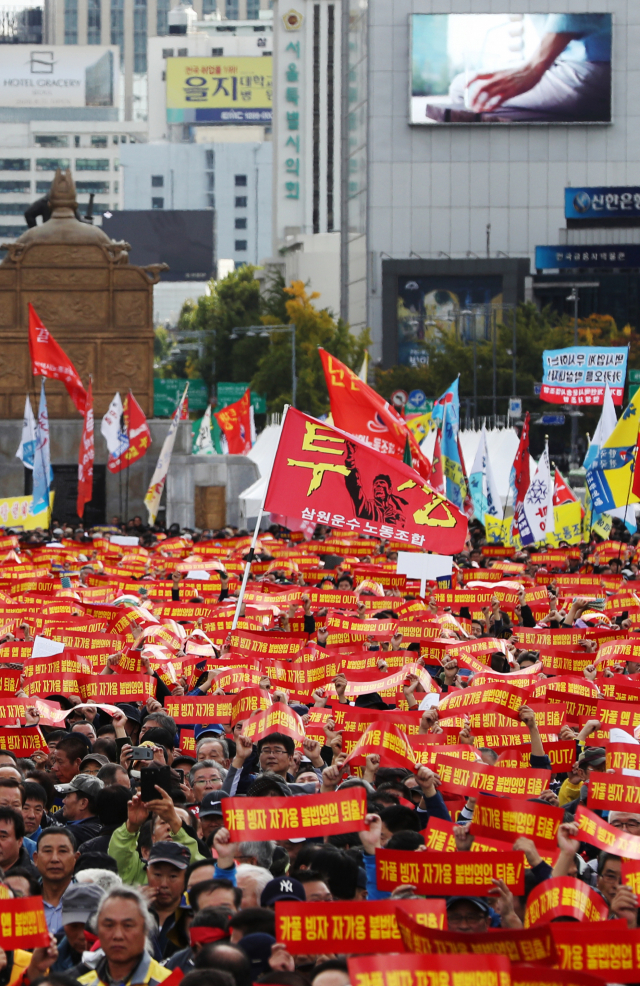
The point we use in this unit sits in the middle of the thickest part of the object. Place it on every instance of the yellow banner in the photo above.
(568, 524)
(17, 511)
(219, 89)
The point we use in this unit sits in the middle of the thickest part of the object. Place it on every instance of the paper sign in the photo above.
(453, 874)
(293, 818)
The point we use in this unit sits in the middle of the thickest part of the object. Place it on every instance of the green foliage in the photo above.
(313, 328)
(162, 360)
(266, 362)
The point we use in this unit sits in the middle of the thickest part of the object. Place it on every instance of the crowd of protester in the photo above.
(134, 889)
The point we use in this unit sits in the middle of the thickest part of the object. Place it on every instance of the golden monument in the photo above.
(98, 307)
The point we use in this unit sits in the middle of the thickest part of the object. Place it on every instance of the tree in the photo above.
(313, 328)
(233, 301)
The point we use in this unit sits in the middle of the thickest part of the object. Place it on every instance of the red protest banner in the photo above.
(562, 755)
(12, 710)
(527, 945)
(356, 926)
(622, 756)
(260, 819)
(281, 645)
(615, 714)
(534, 975)
(187, 743)
(455, 874)
(248, 701)
(608, 950)
(389, 741)
(564, 896)
(279, 718)
(24, 741)
(23, 924)
(187, 709)
(470, 778)
(438, 836)
(600, 834)
(618, 789)
(419, 970)
(488, 698)
(508, 819)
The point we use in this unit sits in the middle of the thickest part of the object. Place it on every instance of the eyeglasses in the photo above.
(277, 750)
(632, 825)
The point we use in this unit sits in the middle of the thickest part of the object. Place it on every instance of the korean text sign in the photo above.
(578, 374)
(233, 90)
(260, 819)
(458, 874)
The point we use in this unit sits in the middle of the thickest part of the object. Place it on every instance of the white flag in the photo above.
(27, 445)
(159, 478)
(482, 485)
(112, 428)
(538, 504)
(203, 444)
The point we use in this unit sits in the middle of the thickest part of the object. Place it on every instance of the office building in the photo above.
(232, 179)
(31, 152)
(455, 202)
(130, 24)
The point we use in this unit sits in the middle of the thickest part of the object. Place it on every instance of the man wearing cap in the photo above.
(283, 888)
(165, 874)
(79, 903)
(470, 914)
(93, 763)
(210, 813)
(574, 788)
(79, 806)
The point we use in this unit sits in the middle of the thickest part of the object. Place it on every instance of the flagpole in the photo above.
(631, 474)
(126, 509)
(254, 539)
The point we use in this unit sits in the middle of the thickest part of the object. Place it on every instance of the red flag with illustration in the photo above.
(237, 425)
(48, 359)
(85, 457)
(322, 474)
(137, 430)
(363, 413)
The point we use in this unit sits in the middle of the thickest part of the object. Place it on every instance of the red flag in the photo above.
(521, 477)
(236, 423)
(562, 492)
(137, 429)
(635, 489)
(437, 475)
(322, 474)
(363, 413)
(85, 458)
(48, 359)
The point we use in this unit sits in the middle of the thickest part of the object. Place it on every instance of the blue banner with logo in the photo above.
(602, 202)
(607, 255)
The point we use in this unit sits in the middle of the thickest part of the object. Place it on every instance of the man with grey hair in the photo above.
(210, 748)
(255, 853)
(205, 776)
(252, 880)
(628, 821)
(124, 926)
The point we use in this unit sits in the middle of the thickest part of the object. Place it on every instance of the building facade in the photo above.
(31, 152)
(432, 181)
(232, 179)
(129, 24)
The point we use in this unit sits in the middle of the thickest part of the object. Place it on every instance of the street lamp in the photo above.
(264, 332)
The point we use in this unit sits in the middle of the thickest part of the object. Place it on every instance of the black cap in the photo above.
(476, 901)
(170, 852)
(284, 888)
(211, 805)
(130, 711)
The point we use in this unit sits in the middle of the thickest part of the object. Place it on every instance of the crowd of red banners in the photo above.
(120, 622)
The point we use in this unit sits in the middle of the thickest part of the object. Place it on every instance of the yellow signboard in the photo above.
(219, 90)
(17, 511)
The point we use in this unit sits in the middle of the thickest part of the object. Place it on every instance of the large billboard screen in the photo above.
(182, 238)
(34, 76)
(219, 90)
(510, 68)
(427, 305)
